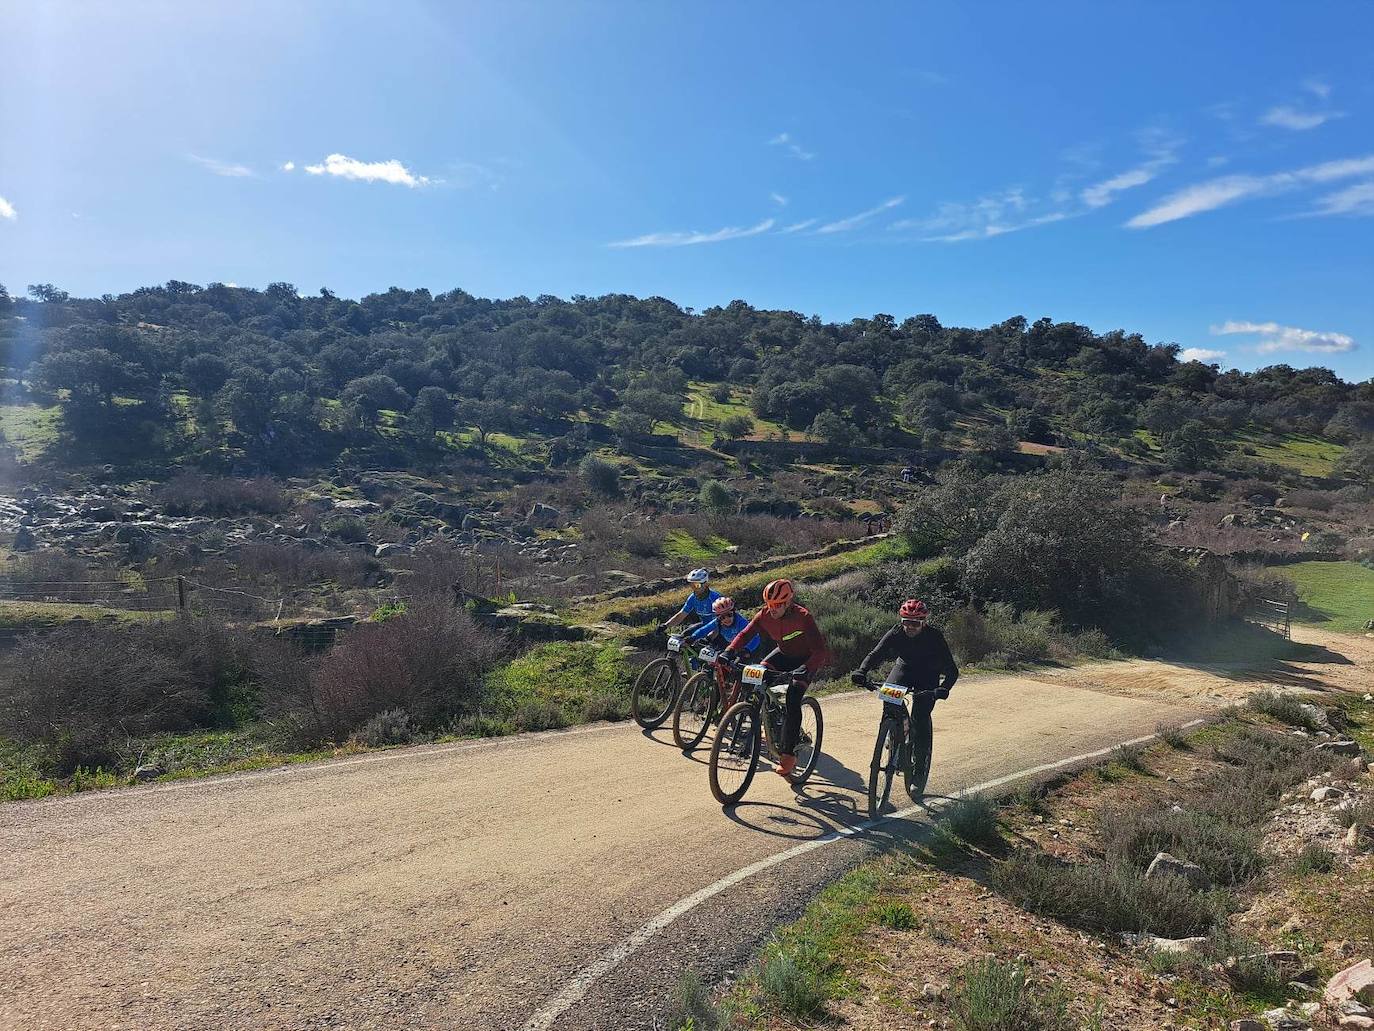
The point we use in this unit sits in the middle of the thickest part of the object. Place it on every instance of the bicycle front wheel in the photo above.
(918, 755)
(655, 690)
(887, 752)
(808, 742)
(695, 706)
(735, 752)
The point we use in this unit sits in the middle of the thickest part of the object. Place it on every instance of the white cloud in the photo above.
(1103, 193)
(778, 199)
(224, 168)
(843, 225)
(1215, 193)
(687, 239)
(1286, 116)
(785, 140)
(1317, 88)
(1200, 354)
(993, 215)
(1353, 200)
(797, 227)
(391, 171)
(290, 166)
(1274, 337)
(7, 210)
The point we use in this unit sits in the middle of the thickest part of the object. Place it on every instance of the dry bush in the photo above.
(194, 493)
(1312, 500)
(429, 663)
(287, 565)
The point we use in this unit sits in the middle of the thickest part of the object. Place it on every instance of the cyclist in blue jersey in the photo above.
(725, 627)
(697, 608)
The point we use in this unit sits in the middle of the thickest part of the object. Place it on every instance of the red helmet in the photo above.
(778, 593)
(913, 608)
(723, 605)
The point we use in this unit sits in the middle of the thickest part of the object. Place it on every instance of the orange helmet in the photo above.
(778, 594)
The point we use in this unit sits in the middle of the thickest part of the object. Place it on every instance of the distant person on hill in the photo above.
(800, 649)
(907, 474)
(924, 661)
(697, 608)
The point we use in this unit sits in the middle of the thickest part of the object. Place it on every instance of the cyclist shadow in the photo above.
(829, 801)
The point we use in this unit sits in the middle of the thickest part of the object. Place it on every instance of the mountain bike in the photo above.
(659, 683)
(754, 721)
(705, 696)
(903, 746)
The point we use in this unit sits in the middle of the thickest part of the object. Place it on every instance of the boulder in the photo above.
(1343, 746)
(1354, 982)
(1248, 1024)
(390, 550)
(543, 515)
(1326, 794)
(1355, 1020)
(150, 771)
(1165, 865)
(1355, 837)
(24, 540)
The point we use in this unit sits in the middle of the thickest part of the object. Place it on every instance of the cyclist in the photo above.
(924, 662)
(800, 648)
(697, 607)
(725, 627)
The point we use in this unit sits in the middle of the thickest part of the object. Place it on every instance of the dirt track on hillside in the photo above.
(462, 885)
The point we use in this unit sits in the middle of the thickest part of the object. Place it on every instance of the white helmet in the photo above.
(698, 576)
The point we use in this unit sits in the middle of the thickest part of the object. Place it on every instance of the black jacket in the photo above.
(924, 662)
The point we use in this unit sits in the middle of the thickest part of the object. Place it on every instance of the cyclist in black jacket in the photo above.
(924, 662)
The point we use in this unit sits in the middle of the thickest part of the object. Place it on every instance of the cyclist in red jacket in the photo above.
(799, 647)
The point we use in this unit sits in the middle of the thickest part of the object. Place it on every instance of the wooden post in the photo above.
(181, 593)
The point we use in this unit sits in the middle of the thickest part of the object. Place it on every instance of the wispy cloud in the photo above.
(1159, 144)
(290, 166)
(1286, 116)
(797, 227)
(1353, 200)
(1273, 337)
(843, 225)
(225, 168)
(1317, 88)
(1200, 354)
(778, 199)
(7, 211)
(391, 171)
(792, 147)
(995, 214)
(691, 238)
(1216, 193)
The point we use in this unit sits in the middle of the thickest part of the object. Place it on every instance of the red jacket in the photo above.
(795, 633)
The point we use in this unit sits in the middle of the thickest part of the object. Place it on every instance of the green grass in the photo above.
(1309, 455)
(32, 429)
(22, 614)
(1334, 595)
(703, 413)
(681, 545)
(559, 684)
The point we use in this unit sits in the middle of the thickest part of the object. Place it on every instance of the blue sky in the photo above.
(1200, 172)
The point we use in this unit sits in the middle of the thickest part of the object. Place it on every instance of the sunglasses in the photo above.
(914, 622)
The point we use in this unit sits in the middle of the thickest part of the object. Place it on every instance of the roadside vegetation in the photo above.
(1051, 908)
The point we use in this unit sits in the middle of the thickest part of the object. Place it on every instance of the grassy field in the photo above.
(32, 429)
(24, 614)
(704, 413)
(1311, 456)
(1334, 595)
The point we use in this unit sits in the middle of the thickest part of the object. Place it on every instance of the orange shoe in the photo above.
(786, 765)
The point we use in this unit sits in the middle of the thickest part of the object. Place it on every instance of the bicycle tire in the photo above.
(689, 700)
(802, 773)
(919, 743)
(886, 758)
(740, 728)
(650, 684)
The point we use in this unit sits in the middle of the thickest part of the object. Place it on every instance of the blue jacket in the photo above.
(727, 632)
(701, 607)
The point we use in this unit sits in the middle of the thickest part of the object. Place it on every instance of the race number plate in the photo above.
(892, 692)
(707, 655)
(754, 674)
(675, 644)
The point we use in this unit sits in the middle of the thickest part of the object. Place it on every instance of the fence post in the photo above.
(181, 593)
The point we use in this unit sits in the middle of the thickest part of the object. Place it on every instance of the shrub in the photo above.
(194, 493)
(851, 627)
(349, 528)
(1173, 735)
(1105, 896)
(560, 683)
(429, 663)
(716, 497)
(793, 978)
(386, 728)
(994, 995)
(1131, 757)
(1314, 859)
(736, 426)
(1361, 813)
(600, 476)
(973, 818)
(692, 1008)
(78, 694)
(1229, 853)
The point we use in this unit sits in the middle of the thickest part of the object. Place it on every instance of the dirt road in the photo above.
(461, 886)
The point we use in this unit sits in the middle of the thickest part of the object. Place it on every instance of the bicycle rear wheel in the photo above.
(655, 690)
(735, 752)
(695, 706)
(922, 736)
(808, 742)
(887, 751)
